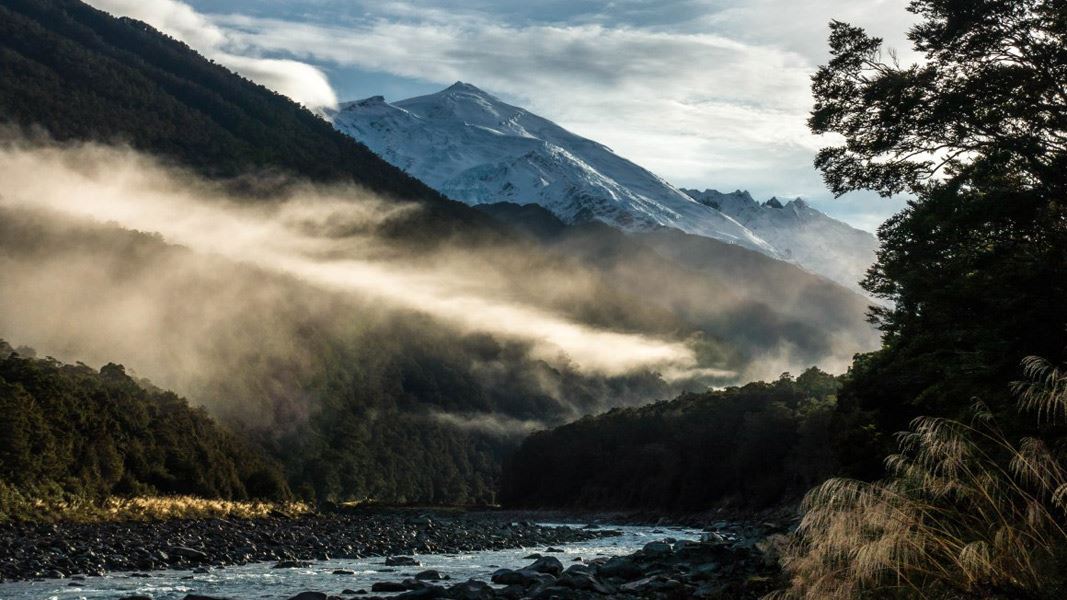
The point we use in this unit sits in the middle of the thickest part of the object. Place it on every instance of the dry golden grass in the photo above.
(963, 514)
(57, 507)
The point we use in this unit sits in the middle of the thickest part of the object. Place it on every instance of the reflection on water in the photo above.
(259, 580)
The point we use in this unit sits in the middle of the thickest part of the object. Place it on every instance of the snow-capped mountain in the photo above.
(472, 147)
(800, 233)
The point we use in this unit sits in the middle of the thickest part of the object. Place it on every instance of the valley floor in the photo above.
(723, 559)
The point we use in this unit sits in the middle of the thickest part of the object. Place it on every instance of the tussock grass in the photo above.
(964, 513)
(54, 506)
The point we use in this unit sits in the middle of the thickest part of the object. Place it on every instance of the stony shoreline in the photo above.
(31, 551)
(715, 568)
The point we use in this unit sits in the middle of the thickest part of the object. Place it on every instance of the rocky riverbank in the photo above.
(715, 568)
(30, 551)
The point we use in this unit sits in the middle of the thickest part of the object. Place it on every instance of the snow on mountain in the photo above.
(800, 234)
(473, 147)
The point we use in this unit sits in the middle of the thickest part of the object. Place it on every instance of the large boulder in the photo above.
(656, 583)
(423, 592)
(547, 564)
(401, 561)
(620, 566)
(582, 581)
(472, 589)
(388, 586)
(656, 549)
(523, 577)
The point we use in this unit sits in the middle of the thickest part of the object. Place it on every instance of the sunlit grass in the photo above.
(53, 506)
(964, 513)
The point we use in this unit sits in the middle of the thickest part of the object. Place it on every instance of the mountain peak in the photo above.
(460, 86)
(773, 202)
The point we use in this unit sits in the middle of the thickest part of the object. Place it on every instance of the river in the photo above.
(260, 581)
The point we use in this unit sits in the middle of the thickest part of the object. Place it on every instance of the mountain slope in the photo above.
(771, 311)
(83, 75)
(71, 426)
(475, 148)
(800, 233)
(357, 397)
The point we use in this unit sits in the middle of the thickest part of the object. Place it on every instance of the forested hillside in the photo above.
(356, 398)
(748, 447)
(101, 433)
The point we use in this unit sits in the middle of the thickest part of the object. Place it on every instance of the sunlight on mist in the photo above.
(323, 236)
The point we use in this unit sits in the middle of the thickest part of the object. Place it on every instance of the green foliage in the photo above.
(990, 98)
(752, 445)
(96, 434)
(975, 269)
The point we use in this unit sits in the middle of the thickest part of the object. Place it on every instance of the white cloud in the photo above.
(655, 97)
(706, 93)
(302, 82)
(717, 100)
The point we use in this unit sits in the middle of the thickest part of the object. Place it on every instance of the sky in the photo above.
(704, 93)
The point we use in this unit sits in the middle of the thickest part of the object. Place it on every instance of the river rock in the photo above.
(582, 581)
(547, 564)
(655, 583)
(524, 577)
(401, 561)
(190, 554)
(656, 549)
(472, 589)
(426, 591)
(620, 566)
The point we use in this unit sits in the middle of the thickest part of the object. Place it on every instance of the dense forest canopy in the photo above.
(748, 447)
(101, 433)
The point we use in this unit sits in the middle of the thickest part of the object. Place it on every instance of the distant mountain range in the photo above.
(800, 233)
(472, 147)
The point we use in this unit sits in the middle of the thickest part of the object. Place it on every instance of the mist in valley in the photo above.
(299, 316)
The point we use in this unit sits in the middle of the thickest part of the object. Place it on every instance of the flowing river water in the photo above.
(262, 581)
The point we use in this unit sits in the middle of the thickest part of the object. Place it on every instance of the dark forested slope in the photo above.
(98, 433)
(750, 445)
(83, 75)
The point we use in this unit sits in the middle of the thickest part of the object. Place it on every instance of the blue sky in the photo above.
(705, 93)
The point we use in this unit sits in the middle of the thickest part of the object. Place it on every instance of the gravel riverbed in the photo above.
(29, 551)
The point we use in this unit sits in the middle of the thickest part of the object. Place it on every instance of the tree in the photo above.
(990, 98)
(975, 268)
